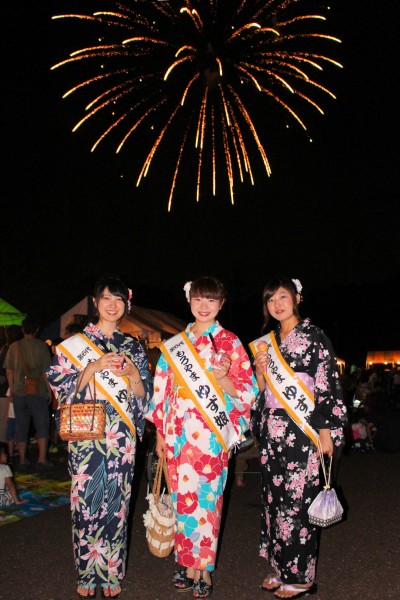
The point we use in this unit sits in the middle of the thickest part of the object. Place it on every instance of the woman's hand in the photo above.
(130, 370)
(110, 362)
(160, 445)
(326, 442)
(126, 368)
(223, 367)
(261, 362)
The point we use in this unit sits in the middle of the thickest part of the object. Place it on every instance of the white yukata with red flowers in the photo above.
(197, 463)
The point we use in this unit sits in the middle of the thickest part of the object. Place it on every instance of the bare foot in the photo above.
(205, 574)
(111, 592)
(85, 592)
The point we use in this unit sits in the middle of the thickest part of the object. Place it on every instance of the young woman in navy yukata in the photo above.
(301, 359)
(102, 470)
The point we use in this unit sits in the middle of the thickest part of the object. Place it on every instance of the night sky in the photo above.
(329, 215)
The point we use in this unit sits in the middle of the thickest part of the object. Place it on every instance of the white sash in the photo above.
(81, 351)
(201, 386)
(287, 387)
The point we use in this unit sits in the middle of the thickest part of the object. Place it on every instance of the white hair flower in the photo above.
(297, 285)
(186, 288)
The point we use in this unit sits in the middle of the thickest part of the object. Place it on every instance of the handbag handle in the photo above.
(326, 470)
(92, 397)
(161, 468)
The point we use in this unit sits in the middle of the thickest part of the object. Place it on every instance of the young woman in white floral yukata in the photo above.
(289, 459)
(197, 462)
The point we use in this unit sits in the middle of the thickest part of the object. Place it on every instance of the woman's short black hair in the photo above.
(115, 286)
(208, 287)
(269, 290)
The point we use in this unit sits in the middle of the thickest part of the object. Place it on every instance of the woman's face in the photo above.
(280, 305)
(111, 308)
(204, 309)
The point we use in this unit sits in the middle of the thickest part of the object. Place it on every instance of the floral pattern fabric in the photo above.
(197, 463)
(290, 461)
(102, 470)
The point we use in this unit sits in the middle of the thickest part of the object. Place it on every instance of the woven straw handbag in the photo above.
(159, 519)
(80, 421)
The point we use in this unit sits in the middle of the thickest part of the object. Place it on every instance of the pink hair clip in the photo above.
(129, 299)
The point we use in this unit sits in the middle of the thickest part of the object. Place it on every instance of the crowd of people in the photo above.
(372, 397)
(206, 393)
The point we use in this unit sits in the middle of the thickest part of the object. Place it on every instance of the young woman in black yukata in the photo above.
(289, 456)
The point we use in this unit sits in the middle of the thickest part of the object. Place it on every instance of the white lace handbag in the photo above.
(326, 509)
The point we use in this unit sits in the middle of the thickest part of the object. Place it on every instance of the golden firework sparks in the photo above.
(188, 75)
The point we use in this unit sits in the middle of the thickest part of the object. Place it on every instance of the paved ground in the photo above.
(359, 558)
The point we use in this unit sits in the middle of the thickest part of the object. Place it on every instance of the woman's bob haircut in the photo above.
(208, 287)
(115, 286)
(271, 288)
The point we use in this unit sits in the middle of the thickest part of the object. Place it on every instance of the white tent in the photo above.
(148, 325)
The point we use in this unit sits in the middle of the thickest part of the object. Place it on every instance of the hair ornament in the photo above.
(186, 288)
(129, 299)
(297, 285)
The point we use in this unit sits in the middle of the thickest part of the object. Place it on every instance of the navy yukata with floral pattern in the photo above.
(290, 461)
(102, 470)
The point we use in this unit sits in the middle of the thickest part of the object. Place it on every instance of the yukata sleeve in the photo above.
(63, 377)
(162, 391)
(141, 361)
(330, 410)
(140, 403)
(241, 374)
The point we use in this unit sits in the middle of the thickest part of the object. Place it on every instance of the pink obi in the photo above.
(272, 402)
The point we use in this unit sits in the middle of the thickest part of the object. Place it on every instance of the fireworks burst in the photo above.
(186, 75)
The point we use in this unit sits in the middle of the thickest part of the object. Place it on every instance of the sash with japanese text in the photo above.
(287, 387)
(81, 351)
(200, 386)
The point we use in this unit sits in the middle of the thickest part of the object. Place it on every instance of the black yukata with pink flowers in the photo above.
(289, 459)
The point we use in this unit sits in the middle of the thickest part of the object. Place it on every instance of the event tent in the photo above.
(148, 325)
(56, 329)
(10, 315)
(151, 325)
(383, 357)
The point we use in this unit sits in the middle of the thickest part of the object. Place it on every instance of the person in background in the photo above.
(113, 368)
(199, 412)
(13, 333)
(29, 357)
(242, 464)
(303, 414)
(73, 329)
(8, 491)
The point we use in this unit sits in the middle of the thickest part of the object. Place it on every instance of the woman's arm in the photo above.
(240, 384)
(160, 444)
(163, 381)
(326, 441)
(329, 408)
